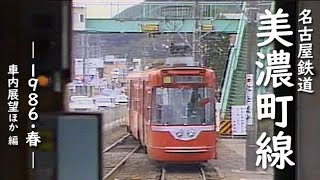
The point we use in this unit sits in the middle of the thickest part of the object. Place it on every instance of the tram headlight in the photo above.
(190, 133)
(167, 80)
(179, 133)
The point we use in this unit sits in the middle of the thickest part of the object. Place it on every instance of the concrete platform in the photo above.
(230, 164)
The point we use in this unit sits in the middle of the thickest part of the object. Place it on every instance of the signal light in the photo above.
(43, 81)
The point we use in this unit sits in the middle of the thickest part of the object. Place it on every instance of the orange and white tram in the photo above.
(171, 112)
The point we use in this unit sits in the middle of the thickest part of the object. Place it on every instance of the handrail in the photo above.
(232, 63)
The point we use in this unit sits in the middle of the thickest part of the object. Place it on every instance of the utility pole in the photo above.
(252, 50)
(196, 37)
(84, 62)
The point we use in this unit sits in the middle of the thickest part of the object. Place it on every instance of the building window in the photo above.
(81, 18)
(74, 18)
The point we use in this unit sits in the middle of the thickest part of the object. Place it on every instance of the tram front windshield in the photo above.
(183, 106)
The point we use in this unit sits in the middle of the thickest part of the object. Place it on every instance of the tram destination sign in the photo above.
(188, 79)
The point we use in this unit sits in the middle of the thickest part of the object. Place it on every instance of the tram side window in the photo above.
(130, 89)
(157, 107)
(135, 97)
(210, 113)
(146, 106)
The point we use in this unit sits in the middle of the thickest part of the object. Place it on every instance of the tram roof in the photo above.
(144, 74)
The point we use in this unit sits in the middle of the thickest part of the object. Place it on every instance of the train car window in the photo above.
(176, 106)
(147, 100)
(140, 96)
(81, 18)
(130, 94)
(156, 105)
(136, 97)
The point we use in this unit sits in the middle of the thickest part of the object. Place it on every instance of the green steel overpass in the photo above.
(177, 17)
(171, 17)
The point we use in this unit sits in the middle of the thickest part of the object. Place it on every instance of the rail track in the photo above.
(117, 154)
(118, 166)
(173, 172)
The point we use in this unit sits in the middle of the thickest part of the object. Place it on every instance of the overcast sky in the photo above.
(111, 7)
(108, 1)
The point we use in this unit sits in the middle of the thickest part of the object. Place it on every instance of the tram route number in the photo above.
(188, 79)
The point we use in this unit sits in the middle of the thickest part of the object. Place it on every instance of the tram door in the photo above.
(141, 110)
(147, 108)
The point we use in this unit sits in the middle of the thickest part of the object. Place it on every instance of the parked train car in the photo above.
(171, 112)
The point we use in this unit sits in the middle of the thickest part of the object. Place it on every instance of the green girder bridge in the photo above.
(178, 17)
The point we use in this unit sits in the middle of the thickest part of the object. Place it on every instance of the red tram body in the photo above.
(171, 112)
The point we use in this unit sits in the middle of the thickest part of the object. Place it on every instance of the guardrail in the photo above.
(114, 117)
(114, 113)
